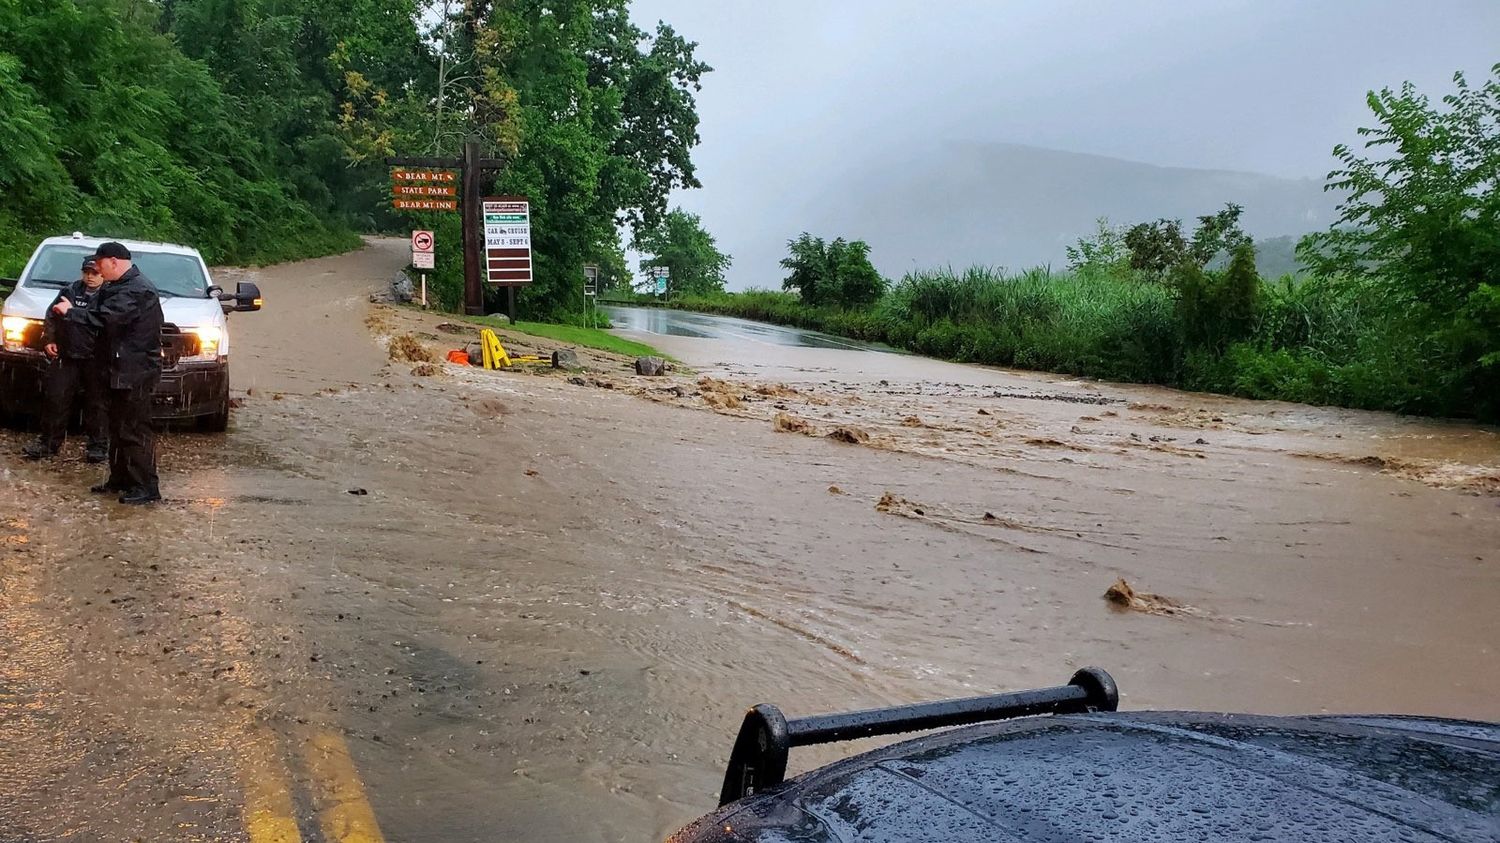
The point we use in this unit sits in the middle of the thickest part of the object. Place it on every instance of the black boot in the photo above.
(140, 496)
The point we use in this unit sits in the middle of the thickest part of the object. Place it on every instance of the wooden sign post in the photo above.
(438, 196)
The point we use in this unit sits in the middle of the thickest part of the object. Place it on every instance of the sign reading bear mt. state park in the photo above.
(423, 190)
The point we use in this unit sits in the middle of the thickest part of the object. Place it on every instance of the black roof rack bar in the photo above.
(758, 760)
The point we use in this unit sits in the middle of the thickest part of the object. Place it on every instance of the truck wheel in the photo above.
(218, 420)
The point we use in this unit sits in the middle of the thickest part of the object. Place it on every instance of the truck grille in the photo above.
(176, 344)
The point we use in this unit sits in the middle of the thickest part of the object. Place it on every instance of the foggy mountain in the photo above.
(1001, 204)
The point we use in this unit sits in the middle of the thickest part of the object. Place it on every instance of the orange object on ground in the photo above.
(458, 356)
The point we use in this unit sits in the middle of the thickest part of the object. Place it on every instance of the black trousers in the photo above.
(66, 380)
(132, 442)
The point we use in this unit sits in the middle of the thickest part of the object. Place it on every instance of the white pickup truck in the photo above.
(195, 336)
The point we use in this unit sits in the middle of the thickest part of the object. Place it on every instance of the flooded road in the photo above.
(661, 321)
(494, 606)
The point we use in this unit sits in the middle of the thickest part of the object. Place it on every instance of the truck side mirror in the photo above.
(247, 297)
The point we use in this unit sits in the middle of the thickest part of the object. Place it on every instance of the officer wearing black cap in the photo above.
(72, 372)
(127, 315)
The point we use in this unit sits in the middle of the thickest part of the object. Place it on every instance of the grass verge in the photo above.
(572, 335)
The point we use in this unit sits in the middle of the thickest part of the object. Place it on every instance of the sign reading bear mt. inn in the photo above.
(507, 240)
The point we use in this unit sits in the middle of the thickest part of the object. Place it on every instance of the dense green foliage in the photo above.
(108, 126)
(832, 274)
(679, 243)
(595, 117)
(1400, 312)
(257, 130)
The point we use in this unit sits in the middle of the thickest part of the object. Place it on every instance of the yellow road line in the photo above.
(269, 815)
(343, 811)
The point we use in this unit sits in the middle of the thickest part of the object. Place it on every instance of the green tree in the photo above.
(1216, 234)
(1422, 218)
(595, 117)
(680, 243)
(1104, 253)
(1156, 247)
(832, 274)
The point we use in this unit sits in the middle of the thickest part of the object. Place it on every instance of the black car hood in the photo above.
(1149, 776)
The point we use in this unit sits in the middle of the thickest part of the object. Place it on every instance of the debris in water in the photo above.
(358, 492)
(1200, 441)
(1462, 477)
(1048, 442)
(898, 506)
(424, 370)
(531, 472)
(409, 349)
(720, 395)
(912, 421)
(779, 390)
(983, 411)
(834, 490)
(1122, 595)
(852, 435)
(784, 423)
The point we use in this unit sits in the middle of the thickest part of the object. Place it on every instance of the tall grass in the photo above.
(1316, 340)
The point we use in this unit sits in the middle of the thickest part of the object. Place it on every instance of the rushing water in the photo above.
(544, 607)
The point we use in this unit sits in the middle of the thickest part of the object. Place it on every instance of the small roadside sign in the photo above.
(423, 241)
(507, 240)
(661, 275)
(590, 280)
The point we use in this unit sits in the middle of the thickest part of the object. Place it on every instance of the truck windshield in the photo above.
(175, 276)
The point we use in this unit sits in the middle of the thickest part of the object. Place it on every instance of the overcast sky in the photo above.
(802, 87)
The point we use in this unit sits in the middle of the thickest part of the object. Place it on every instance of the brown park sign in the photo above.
(423, 190)
(443, 176)
(425, 204)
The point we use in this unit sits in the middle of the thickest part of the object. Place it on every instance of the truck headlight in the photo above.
(209, 337)
(17, 329)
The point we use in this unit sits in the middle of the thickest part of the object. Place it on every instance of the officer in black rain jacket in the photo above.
(127, 315)
(73, 371)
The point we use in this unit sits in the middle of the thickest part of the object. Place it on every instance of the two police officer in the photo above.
(126, 318)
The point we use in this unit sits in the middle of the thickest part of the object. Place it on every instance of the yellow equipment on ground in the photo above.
(495, 356)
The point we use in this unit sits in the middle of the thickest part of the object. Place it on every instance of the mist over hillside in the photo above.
(1000, 204)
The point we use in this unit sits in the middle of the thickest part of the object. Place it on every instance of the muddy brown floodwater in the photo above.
(502, 606)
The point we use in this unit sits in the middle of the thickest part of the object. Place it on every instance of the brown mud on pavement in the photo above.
(521, 605)
(309, 334)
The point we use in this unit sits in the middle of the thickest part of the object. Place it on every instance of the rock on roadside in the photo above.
(565, 358)
(651, 367)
